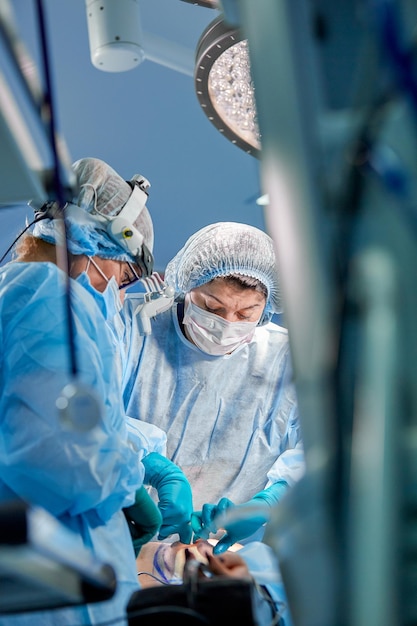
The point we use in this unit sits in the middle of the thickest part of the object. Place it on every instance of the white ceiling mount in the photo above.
(114, 32)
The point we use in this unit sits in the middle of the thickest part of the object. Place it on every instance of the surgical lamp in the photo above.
(224, 86)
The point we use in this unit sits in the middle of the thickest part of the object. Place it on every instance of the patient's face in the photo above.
(166, 560)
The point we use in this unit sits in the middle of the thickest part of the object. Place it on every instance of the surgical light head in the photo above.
(108, 218)
(224, 249)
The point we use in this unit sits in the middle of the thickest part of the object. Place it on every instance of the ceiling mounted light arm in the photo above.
(224, 86)
(229, 8)
(208, 4)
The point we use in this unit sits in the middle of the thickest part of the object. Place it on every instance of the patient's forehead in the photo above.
(201, 544)
(171, 550)
(158, 559)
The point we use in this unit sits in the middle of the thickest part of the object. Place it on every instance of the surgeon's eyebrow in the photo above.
(245, 308)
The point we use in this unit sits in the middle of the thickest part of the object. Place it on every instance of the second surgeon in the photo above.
(215, 374)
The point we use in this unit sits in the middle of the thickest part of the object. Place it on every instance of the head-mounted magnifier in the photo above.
(121, 229)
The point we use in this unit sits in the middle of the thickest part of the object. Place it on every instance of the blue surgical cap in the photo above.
(223, 249)
(103, 191)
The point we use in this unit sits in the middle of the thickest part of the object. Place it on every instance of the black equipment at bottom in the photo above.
(212, 602)
(42, 565)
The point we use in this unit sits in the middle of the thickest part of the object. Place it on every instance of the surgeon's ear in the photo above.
(77, 264)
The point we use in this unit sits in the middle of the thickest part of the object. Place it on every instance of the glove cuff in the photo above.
(155, 467)
(160, 470)
(273, 494)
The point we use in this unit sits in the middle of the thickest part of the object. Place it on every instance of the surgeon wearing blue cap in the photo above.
(86, 468)
(216, 375)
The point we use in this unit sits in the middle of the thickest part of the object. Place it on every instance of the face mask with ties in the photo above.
(108, 300)
(213, 334)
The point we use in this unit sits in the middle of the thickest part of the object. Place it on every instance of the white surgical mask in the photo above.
(213, 334)
(109, 300)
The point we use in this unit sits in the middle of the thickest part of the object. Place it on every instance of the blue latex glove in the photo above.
(143, 518)
(174, 493)
(205, 521)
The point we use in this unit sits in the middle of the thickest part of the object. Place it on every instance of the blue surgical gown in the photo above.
(82, 478)
(231, 421)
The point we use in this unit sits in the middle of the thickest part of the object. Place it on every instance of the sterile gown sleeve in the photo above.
(289, 467)
(67, 472)
(145, 438)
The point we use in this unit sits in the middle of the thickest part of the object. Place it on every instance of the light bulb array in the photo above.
(224, 86)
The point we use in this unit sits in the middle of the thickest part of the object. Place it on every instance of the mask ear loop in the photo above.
(100, 271)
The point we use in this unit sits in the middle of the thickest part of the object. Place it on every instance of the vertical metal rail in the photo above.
(287, 98)
(288, 103)
(376, 431)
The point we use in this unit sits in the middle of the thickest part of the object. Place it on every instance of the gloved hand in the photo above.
(206, 521)
(174, 493)
(143, 518)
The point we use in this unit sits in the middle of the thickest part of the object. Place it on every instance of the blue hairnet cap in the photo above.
(223, 249)
(101, 191)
